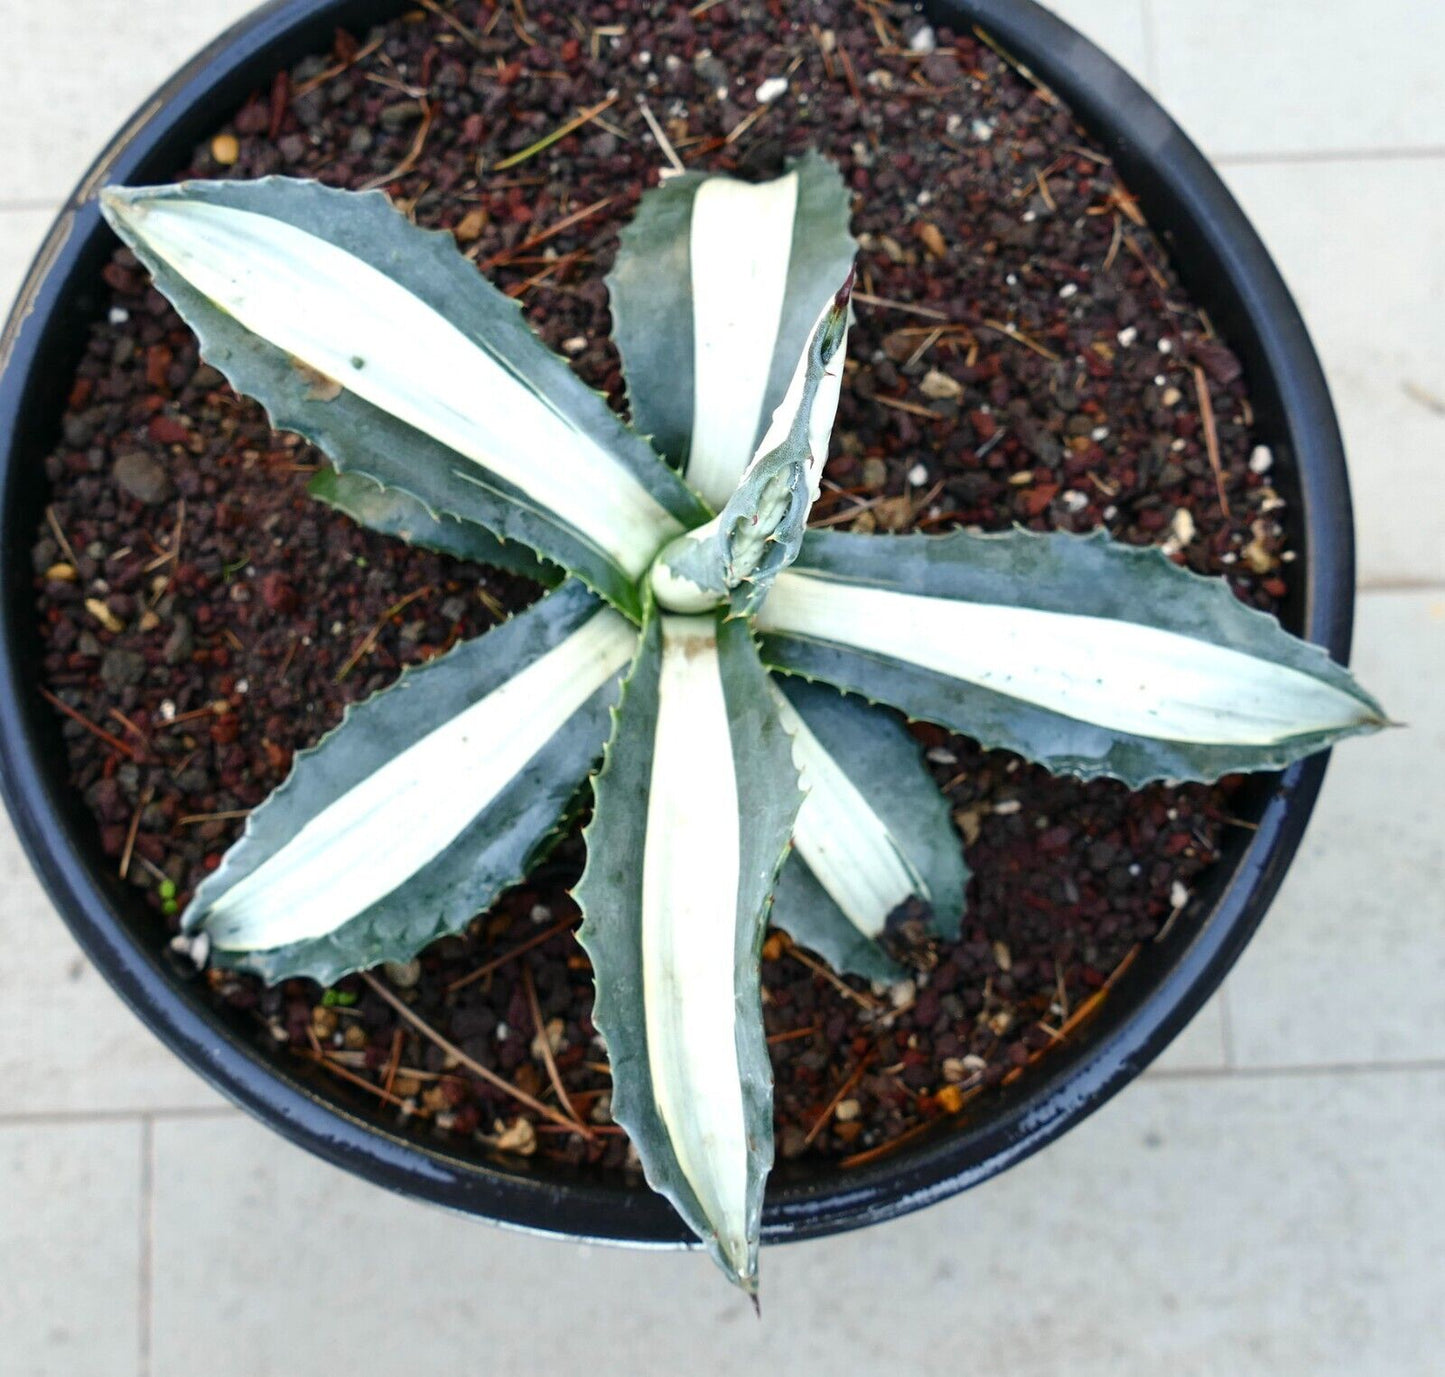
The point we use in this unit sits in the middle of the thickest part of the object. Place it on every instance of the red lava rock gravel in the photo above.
(1039, 364)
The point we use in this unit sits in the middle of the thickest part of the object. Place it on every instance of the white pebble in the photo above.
(1075, 501)
(167, 710)
(1127, 336)
(1068, 291)
(1099, 434)
(1261, 461)
(918, 475)
(982, 130)
(1181, 531)
(771, 89)
(924, 41)
(1178, 894)
(1165, 347)
(1007, 808)
(119, 315)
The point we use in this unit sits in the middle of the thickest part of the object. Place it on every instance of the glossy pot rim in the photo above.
(1227, 268)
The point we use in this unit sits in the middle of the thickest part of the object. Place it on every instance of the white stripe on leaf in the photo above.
(385, 829)
(689, 915)
(1120, 675)
(351, 323)
(846, 845)
(741, 242)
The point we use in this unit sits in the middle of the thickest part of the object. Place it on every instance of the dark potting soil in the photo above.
(1023, 353)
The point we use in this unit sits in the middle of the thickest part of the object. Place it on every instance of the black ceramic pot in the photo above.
(1227, 270)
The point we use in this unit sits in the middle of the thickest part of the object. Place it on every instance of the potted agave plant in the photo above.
(720, 685)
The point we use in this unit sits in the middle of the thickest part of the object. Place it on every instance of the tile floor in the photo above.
(1265, 1201)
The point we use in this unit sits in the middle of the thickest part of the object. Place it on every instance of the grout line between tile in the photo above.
(146, 1287)
(58, 1117)
(1401, 586)
(1257, 1073)
(1422, 153)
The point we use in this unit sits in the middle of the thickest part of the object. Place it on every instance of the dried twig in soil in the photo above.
(141, 805)
(544, 1045)
(382, 1093)
(498, 961)
(927, 312)
(54, 523)
(565, 223)
(854, 1077)
(112, 741)
(1011, 331)
(913, 408)
(475, 1067)
(368, 641)
(331, 73)
(660, 134)
(561, 132)
(860, 1159)
(413, 154)
(1211, 435)
(1044, 93)
(449, 19)
(842, 986)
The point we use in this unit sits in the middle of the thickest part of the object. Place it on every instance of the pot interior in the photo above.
(1227, 273)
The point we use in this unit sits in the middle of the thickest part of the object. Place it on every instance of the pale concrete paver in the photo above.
(1349, 965)
(70, 1249)
(67, 1043)
(1207, 1222)
(1360, 245)
(21, 232)
(1229, 1225)
(1259, 77)
(1117, 26)
(83, 67)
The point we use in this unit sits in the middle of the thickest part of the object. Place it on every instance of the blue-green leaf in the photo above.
(1085, 655)
(425, 803)
(694, 807)
(737, 555)
(716, 287)
(394, 513)
(383, 345)
(873, 832)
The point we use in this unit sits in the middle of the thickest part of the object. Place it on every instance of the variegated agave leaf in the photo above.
(717, 286)
(873, 832)
(427, 801)
(432, 384)
(782, 248)
(737, 555)
(395, 513)
(1090, 657)
(695, 804)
